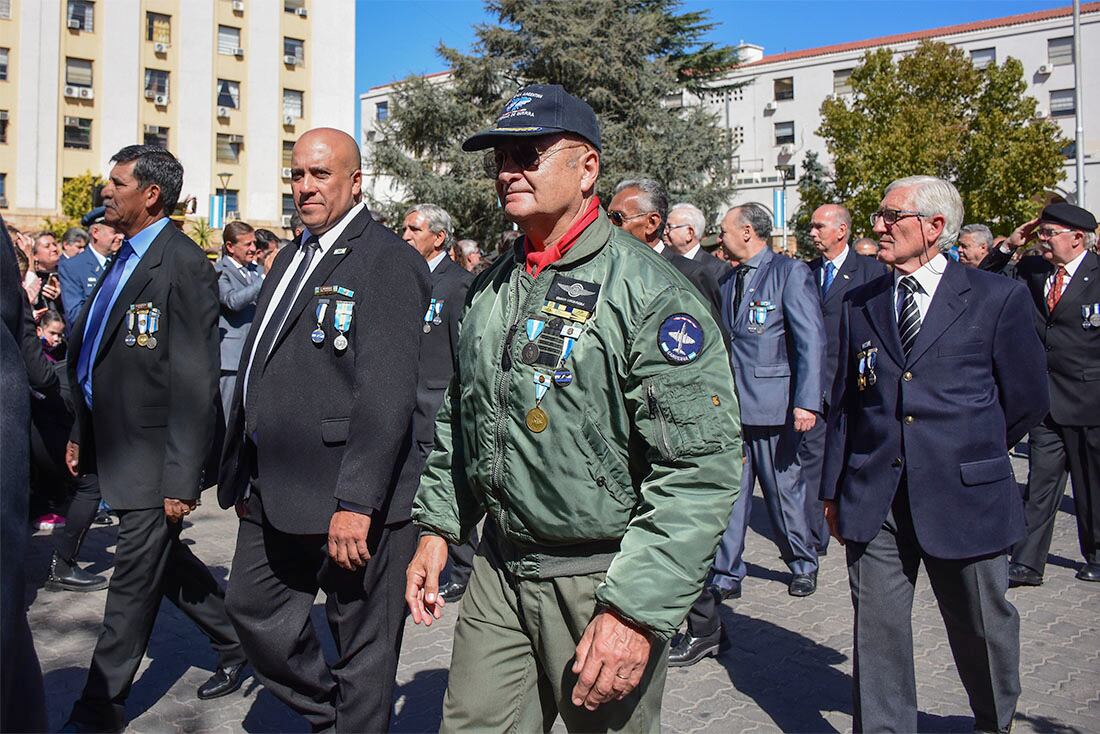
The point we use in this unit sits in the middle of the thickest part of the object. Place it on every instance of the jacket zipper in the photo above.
(658, 418)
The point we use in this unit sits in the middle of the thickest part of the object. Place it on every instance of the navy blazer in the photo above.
(974, 384)
(854, 271)
(78, 275)
(781, 368)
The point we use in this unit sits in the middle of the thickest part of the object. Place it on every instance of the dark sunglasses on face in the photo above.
(525, 155)
(618, 218)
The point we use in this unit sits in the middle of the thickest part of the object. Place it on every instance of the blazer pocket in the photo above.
(985, 471)
(334, 431)
(1090, 374)
(152, 416)
(856, 461)
(772, 370)
(960, 350)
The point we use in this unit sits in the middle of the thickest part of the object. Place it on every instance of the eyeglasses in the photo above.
(1045, 233)
(618, 218)
(525, 155)
(890, 217)
(671, 227)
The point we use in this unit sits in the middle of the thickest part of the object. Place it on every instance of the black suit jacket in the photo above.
(1073, 351)
(438, 348)
(856, 270)
(332, 425)
(704, 280)
(711, 264)
(153, 414)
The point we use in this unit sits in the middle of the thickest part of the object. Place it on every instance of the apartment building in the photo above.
(771, 104)
(226, 85)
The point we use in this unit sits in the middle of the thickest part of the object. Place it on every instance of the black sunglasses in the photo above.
(525, 155)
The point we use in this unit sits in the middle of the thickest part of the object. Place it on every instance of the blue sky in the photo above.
(396, 38)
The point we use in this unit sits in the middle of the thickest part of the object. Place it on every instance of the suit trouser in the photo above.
(276, 577)
(150, 561)
(227, 382)
(983, 627)
(511, 664)
(1053, 450)
(811, 455)
(78, 518)
(772, 453)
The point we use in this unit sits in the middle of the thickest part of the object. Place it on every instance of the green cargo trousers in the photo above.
(511, 666)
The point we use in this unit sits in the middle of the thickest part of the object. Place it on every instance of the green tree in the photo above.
(76, 201)
(814, 189)
(932, 112)
(625, 58)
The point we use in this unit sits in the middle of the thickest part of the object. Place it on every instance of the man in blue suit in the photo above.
(940, 372)
(836, 272)
(80, 273)
(771, 310)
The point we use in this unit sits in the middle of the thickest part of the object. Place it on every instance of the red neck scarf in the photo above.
(539, 256)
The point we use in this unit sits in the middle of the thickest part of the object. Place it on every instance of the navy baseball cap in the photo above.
(95, 216)
(539, 109)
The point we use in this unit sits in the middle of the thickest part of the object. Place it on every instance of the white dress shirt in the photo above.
(837, 262)
(690, 254)
(659, 247)
(434, 262)
(101, 259)
(928, 276)
(1071, 268)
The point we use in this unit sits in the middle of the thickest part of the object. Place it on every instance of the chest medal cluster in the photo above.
(434, 315)
(1090, 316)
(758, 315)
(866, 360)
(144, 318)
(342, 312)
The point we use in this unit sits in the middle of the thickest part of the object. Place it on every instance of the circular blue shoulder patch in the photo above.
(680, 338)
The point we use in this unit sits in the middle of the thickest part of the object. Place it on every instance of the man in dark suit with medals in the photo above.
(317, 433)
(429, 230)
(144, 371)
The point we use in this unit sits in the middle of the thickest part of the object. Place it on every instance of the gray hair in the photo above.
(984, 233)
(72, 234)
(438, 220)
(695, 217)
(1090, 240)
(757, 217)
(930, 196)
(653, 195)
(468, 246)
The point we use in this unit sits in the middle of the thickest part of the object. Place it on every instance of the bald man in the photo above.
(318, 426)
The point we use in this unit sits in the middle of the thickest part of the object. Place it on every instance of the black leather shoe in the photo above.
(733, 592)
(1021, 575)
(1089, 572)
(687, 650)
(223, 682)
(803, 584)
(103, 518)
(65, 576)
(452, 592)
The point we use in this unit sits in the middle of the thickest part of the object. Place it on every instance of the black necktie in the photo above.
(274, 326)
(739, 287)
(909, 316)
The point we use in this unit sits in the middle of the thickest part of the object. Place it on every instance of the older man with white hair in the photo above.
(684, 233)
(940, 373)
(975, 242)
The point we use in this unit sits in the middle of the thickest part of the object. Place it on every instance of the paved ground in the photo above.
(788, 666)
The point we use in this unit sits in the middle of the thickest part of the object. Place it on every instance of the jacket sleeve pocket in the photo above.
(334, 431)
(985, 471)
(772, 370)
(684, 415)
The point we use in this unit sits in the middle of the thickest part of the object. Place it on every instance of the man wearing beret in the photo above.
(1065, 286)
(592, 420)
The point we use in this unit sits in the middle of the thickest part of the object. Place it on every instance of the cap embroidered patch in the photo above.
(680, 338)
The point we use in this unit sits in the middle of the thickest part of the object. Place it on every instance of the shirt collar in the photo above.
(1072, 265)
(142, 240)
(328, 238)
(690, 254)
(101, 259)
(238, 265)
(758, 259)
(659, 248)
(928, 275)
(434, 262)
(839, 259)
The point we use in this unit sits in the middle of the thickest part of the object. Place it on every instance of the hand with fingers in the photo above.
(347, 539)
(832, 517)
(175, 510)
(610, 660)
(422, 580)
(1021, 234)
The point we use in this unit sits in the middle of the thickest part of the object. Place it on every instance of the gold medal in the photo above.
(537, 420)
(142, 340)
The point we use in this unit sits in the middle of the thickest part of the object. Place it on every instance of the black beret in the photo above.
(1069, 215)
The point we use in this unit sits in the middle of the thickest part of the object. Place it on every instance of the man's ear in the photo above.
(590, 163)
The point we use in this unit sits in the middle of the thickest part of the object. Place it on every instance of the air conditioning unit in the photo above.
(152, 129)
(770, 106)
(286, 172)
(4, 116)
(786, 149)
(160, 48)
(86, 93)
(301, 12)
(72, 92)
(223, 112)
(72, 121)
(149, 94)
(286, 221)
(238, 52)
(1041, 114)
(74, 24)
(1045, 69)
(290, 60)
(289, 120)
(161, 100)
(238, 6)
(3, 202)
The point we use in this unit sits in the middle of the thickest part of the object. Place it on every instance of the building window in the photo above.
(292, 6)
(81, 15)
(292, 103)
(158, 28)
(1062, 103)
(3, 126)
(5, 9)
(78, 133)
(842, 81)
(229, 94)
(231, 203)
(295, 47)
(737, 135)
(288, 205)
(1060, 51)
(78, 72)
(3, 64)
(156, 83)
(983, 57)
(784, 133)
(229, 40)
(229, 148)
(382, 111)
(784, 88)
(156, 135)
(288, 153)
(3, 188)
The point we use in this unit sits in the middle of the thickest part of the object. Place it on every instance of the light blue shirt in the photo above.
(140, 244)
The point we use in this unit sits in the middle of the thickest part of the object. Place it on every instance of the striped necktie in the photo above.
(909, 314)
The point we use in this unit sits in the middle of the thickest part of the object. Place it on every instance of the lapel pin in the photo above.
(846, 277)
(339, 251)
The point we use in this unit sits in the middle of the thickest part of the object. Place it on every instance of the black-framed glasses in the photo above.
(526, 155)
(890, 217)
(618, 218)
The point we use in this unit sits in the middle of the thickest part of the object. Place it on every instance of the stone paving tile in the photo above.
(786, 665)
